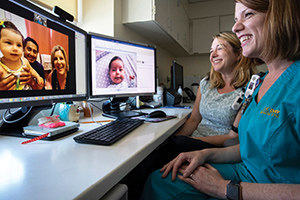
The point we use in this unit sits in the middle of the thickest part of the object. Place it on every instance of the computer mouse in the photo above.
(157, 114)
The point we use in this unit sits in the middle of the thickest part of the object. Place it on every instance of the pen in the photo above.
(35, 139)
(88, 122)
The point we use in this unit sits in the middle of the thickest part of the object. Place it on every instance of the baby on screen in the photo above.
(117, 73)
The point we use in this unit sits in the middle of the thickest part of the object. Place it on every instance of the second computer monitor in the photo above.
(176, 76)
(120, 68)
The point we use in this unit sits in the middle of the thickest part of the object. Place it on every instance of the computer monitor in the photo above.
(121, 68)
(176, 76)
(48, 31)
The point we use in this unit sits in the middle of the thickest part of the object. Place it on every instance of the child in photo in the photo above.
(117, 73)
(15, 71)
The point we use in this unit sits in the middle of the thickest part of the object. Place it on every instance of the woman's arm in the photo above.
(192, 123)
(208, 180)
(270, 191)
(219, 140)
(198, 158)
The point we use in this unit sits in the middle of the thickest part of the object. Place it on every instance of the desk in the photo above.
(64, 169)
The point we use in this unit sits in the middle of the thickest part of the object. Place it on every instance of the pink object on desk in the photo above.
(35, 139)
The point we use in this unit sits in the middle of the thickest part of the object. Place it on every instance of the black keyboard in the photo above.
(109, 133)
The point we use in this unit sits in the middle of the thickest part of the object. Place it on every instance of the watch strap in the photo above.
(235, 182)
(235, 129)
(233, 190)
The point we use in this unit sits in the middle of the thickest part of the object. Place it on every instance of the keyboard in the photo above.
(109, 133)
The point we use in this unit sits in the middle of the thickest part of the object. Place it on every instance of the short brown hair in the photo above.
(281, 27)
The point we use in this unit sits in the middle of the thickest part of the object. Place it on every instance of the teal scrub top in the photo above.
(269, 131)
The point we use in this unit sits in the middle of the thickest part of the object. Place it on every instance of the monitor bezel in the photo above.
(93, 96)
(33, 8)
(174, 75)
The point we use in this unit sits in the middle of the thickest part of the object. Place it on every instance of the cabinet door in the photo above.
(178, 26)
(226, 22)
(203, 30)
(162, 13)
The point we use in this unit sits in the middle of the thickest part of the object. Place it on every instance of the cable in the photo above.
(91, 113)
(16, 120)
(53, 108)
(96, 106)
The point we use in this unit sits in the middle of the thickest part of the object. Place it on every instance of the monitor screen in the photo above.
(176, 76)
(119, 68)
(51, 63)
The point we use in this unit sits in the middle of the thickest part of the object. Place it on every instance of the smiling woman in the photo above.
(260, 167)
(212, 116)
(58, 78)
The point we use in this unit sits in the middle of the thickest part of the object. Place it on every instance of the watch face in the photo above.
(233, 191)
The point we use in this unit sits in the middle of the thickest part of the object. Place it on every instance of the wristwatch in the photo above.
(233, 190)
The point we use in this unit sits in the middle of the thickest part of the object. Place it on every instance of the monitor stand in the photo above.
(111, 109)
(118, 114)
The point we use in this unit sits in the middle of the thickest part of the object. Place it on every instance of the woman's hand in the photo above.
(193, 160)
(8, 83)
(206, 179)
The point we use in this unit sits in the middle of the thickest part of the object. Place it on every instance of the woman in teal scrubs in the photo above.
(266, 164)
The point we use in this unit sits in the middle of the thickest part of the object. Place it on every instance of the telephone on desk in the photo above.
(190, 93)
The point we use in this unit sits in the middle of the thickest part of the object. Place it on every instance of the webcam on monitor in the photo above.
(63, 15)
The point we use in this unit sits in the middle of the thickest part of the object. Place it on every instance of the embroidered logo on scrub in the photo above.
(271, 112)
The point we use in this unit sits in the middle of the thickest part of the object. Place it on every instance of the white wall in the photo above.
(196, 65)
(97, 16)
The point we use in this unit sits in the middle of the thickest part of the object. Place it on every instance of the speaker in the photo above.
(63, 15)
(172, 97)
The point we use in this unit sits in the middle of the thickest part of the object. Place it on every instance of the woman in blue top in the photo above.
(266, 164)
(212, 116)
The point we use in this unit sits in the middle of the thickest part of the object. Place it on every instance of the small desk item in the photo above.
(100, 121)
(36, 130)
(109, 133)
(36, 138)
(153, 104)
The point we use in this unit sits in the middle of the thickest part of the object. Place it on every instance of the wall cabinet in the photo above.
(167, 23)
(204, 29)
(164, 22)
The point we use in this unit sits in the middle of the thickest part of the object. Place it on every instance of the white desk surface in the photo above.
(64, 169)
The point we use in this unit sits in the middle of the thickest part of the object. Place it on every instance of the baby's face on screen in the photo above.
(117, 72)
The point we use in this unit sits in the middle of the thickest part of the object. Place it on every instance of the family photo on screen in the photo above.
(33, 56)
